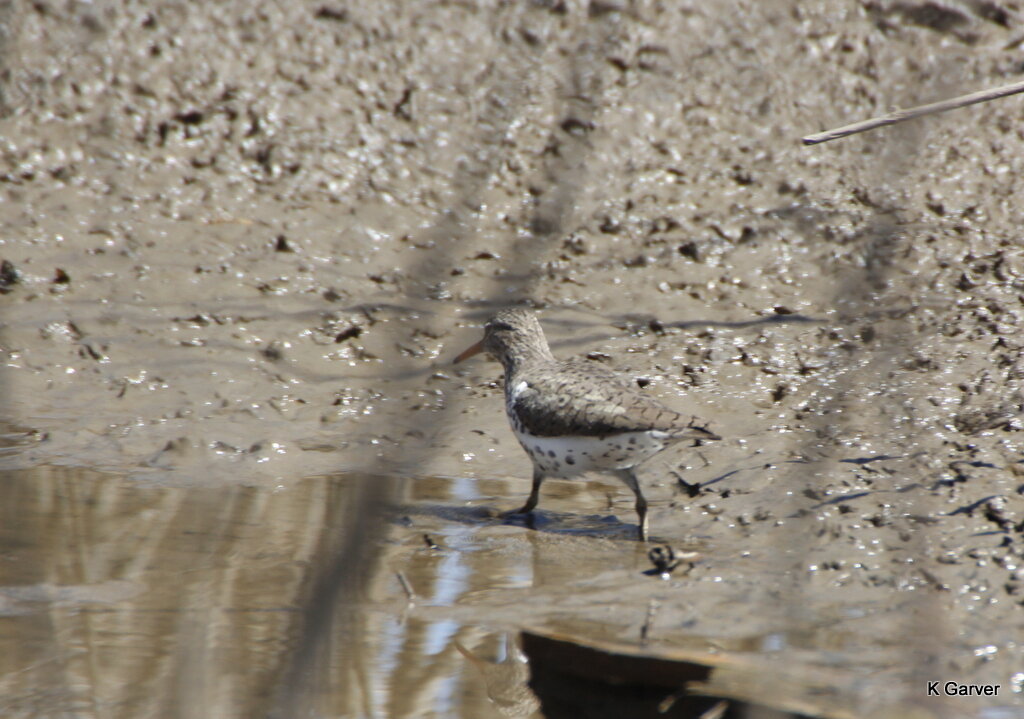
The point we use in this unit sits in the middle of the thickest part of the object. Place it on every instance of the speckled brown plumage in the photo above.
(574, 398)
(573, 417)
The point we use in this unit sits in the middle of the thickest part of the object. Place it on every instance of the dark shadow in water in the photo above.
(605, 526)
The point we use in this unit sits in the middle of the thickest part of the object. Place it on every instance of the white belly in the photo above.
(564, 457)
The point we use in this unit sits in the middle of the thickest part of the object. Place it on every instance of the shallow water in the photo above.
(124, 600)
(368, 596)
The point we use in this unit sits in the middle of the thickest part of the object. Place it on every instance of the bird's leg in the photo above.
(531, 501)
(629, 478)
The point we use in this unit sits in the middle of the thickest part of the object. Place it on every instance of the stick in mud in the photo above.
(903, 115)
(410, 595)
(652, 609)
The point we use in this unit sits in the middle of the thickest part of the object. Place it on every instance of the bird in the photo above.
(575, 416)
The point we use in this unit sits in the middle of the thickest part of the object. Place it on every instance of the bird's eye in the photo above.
(501, 326)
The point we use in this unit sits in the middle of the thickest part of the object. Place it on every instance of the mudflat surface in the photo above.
(243, 242)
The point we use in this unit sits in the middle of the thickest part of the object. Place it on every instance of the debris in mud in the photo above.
(403, 108)
(997, 512)
(273, 352)
(645, 630)
(8, 276)
(574, 245)
(67, 331)
(351, 333)
(666, 561)
(780, 391)
(692, 250)
(690, 489)
(576, 127)
(406, 587)
(326, 12)
(87, 350)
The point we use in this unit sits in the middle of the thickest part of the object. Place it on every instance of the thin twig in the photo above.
(652, 609)
(903, 115)
(405, 585)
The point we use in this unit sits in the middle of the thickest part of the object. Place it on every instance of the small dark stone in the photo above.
(991, 12)
(574, 245)
(336, 14)
(575, 126)
(272, 352)
(60, 277)
(570, 460)
(348, 334)
(691, 250)
(541, 226)
(8, 276)
(192, 117)
(281, 244)
(741, 176)
(965, 282)
(611, 227)
(618, 63)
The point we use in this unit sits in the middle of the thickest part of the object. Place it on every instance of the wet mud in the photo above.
(242, 243)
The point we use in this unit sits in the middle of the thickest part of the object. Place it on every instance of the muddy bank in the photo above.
(242, 244)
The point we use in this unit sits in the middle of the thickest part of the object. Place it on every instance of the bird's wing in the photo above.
(588, 400)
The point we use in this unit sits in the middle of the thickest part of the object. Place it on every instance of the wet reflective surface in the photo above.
(319, 598)
(125, 600)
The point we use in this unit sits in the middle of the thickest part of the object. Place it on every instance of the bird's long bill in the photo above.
(466, 354)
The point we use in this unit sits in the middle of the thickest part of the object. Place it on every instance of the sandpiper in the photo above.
(573, 417)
